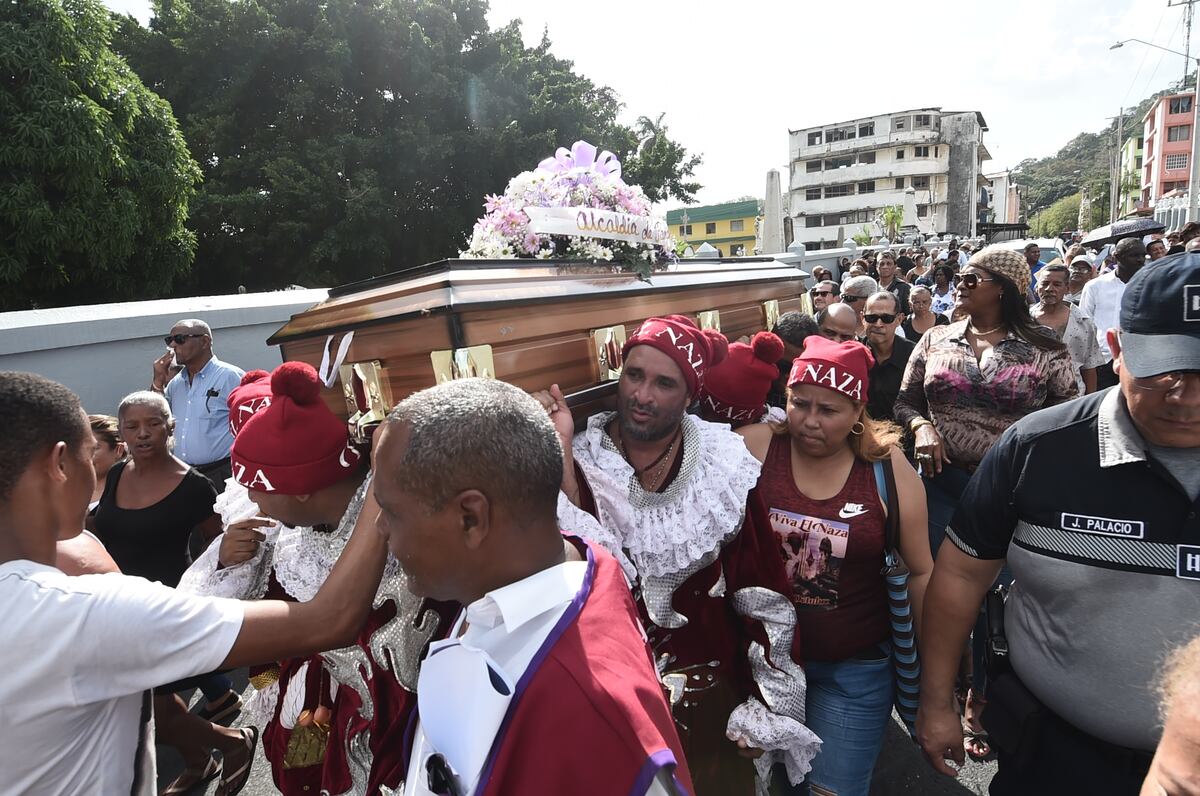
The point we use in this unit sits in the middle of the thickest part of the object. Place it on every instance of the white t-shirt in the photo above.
(1101, 301)
(77, 655)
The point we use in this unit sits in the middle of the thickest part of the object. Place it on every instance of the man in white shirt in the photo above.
(1101, 301)
(545, 683)
(80, 654)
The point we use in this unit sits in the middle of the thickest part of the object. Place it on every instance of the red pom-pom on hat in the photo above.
(767, 346)
(298, 381)
(252, 376)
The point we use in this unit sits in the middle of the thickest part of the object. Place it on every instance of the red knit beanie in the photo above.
(295, 446)
(693, 350)
(249, 397)
(842, 367)
(735, 391)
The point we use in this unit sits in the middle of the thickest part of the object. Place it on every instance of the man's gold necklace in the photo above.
(662, 461)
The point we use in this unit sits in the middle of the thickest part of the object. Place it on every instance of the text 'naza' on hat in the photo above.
(296, 445)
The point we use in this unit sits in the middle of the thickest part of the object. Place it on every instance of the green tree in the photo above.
(345, 139)
(862, 237)
(95, 177)
(890, 218)
(1063, 214)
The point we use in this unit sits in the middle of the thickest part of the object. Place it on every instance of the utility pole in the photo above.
(1114, 202)
(1193, 212)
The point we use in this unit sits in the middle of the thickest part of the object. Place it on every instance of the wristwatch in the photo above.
(917, 422)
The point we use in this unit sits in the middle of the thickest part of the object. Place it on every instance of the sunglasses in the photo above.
(885, 317)
(971, 281)
(851, 299)
(821, 292)
(179, 339)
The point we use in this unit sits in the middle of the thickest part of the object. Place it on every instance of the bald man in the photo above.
(838, 322)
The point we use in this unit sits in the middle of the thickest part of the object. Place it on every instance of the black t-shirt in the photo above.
(884, 382)
(153, 542)
(913, 335)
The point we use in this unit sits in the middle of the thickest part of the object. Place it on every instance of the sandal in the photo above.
(192, 778)
(976, 745)
(233, 781)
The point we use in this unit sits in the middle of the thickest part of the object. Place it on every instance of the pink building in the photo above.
(1167, 130)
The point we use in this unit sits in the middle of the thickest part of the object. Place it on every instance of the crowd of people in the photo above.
(718, 587)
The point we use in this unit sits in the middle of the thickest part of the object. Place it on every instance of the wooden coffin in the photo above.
(531, 323)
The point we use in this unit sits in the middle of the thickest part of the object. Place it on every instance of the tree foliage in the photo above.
(95, 177)
(349, 138)
(1062, 215)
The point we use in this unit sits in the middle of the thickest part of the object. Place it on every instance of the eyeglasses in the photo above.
(886, 318)
(971, 281)
(821, 293)
(179, 339)
(1164, 382)
(848, 298)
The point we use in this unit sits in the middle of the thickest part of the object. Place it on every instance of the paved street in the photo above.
(901, 769)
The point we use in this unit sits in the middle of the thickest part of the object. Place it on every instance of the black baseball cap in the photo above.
(1160, 317)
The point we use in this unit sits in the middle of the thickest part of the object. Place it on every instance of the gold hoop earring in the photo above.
(861, 428)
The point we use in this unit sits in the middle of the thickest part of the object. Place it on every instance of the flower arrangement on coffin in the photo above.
(573, 206)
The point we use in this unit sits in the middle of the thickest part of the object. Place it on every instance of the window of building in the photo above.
(813, 246)
(922, 211)
(838, 190)
(814, 138)
(1176, 161)
(737, 225)
(812, 221)
(922, 121)
(1141, 142)
(900, 123)
(899, 183)
(839, 134)
(812, 193)
(921, 183)
(937, 151)
(899, 154)
(685, 229)
(865, 129)
(866, 187)
(920, 152)
(1180, 132)
(837, 163)
(812, 165)
(866, 157)
(1139, 162)
(710, 228)
(1181, 105)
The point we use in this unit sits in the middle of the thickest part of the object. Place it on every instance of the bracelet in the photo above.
(159, 390)
(917, 422)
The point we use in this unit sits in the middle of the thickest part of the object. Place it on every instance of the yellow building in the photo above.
(728, 227)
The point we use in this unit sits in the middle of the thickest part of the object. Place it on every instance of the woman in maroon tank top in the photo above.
(818, 482)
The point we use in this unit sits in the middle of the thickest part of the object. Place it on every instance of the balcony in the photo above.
(859, 172)
(930, 135)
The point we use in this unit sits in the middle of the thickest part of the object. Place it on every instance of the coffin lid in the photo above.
(459, 285)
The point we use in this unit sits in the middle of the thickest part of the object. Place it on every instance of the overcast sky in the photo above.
(734, 77)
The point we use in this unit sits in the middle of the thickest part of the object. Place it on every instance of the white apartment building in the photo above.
(844, 174)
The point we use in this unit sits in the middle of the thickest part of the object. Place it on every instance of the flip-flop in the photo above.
(192, 778)
(232, 782)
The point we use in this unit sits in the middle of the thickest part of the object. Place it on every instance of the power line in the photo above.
(1145, 55)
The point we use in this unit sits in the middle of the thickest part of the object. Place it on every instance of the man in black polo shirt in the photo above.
(882, 317)
(1094, 504)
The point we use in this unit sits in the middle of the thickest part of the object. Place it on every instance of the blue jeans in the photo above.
(214, 685)
(942, 494)
(849, 705)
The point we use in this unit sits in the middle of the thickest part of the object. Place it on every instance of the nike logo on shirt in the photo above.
(851, 510)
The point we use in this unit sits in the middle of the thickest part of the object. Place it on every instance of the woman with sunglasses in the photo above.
(969, 381)
(818, 481)
(942, 293)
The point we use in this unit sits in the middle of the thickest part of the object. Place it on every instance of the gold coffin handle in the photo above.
(770, 314)
(463, 363)
(606, 347)
(709, 319)
(371, 378)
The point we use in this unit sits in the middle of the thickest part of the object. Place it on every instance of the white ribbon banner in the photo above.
(589, 222)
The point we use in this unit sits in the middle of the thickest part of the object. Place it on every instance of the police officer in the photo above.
(1095, 505)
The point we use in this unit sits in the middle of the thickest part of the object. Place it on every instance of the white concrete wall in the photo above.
(105, 351)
